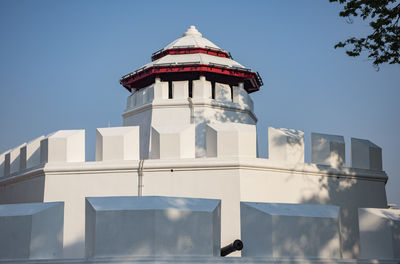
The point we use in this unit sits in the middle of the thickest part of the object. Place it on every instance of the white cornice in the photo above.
(197, 165)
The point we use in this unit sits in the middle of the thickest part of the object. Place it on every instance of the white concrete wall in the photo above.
(232, 180)
(290, 230)
(152, 226)
(110, 182)
(379, 233)
(29, 190)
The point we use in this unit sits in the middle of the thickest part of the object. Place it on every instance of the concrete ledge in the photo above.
(31, 230)
(289, 230)
(152, 226)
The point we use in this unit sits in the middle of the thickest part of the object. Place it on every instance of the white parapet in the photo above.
(365, 154)
(202, 88)
(31, 230)
(223, 92)
(160, 90)
(172, 142)
(12, 161)
(286, 145)
(328, 150)
(180, 89)
(142, 96)
(134, 99)
(152, 226)
(241, 97)
(63, 146)
(379, 233)
(30, 153)
(289, 230)
(148, 94)
(231, 140)
(117, 143)
(139, 98)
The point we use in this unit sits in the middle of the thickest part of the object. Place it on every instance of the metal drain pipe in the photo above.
(140, 177)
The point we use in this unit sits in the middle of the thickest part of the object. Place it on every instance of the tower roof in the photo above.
(189, 56)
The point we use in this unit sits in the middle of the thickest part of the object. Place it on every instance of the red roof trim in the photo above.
(177, 51)
(129, 81)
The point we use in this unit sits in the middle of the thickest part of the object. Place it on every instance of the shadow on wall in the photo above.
(350, 194)
(331, 187)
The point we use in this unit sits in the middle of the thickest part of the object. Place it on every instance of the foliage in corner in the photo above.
(383, 45)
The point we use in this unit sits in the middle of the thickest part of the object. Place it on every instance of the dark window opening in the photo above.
(231, 92)
(191, 88)
(170, 90)
(213, 90)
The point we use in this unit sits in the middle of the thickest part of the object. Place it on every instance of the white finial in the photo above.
(192, 31)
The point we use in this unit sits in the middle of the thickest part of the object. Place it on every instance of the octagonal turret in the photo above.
(188, 84)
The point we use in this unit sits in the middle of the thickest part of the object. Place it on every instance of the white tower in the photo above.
(191, 82)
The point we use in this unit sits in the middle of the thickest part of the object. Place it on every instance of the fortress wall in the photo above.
(241, 177)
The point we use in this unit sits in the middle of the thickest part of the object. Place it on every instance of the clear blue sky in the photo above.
(61, 61)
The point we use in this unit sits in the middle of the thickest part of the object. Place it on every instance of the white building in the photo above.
(188, 147)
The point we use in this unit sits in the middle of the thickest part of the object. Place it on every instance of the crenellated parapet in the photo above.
(223, 140)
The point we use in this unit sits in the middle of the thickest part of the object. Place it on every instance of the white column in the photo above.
(223, 92)
(201, 88)
(180, 90)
